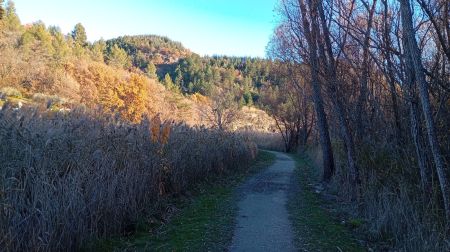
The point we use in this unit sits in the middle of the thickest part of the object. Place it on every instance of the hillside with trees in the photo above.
(190, 73)
(123, 75)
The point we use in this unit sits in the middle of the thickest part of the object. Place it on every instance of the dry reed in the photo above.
(67, 178)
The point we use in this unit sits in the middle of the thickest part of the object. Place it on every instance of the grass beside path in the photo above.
(315, 228)
(204, 222)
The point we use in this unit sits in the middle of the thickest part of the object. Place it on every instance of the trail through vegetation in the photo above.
(97, 136)
(203, 220)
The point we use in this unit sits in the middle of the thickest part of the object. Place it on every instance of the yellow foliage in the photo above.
(134, 94)
(115, 91)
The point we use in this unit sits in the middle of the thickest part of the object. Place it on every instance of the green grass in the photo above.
(204, 222)
(315, 227)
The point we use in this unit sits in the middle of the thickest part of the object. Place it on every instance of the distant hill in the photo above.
(150, 48)
(129, 75)
(190, 72)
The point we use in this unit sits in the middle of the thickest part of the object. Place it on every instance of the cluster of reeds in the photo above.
(67, 178)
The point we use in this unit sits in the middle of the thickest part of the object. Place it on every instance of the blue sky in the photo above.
(207, 27)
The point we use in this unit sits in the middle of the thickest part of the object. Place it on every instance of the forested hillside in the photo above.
(123, 75)
(189, 73)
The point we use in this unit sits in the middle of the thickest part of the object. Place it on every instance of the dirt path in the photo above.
(262, 221)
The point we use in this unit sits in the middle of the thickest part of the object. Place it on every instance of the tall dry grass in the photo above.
(67, 178)
(265, 140)
(394, 210)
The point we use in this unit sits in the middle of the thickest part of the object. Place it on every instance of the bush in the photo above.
(50, 100)
(10, 92)
(68, 178)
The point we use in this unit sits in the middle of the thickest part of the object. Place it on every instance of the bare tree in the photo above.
(222, 110)
(413, 60)
(311, 38)
(292, 111)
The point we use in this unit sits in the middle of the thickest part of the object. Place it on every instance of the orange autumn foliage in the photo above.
(115, 91)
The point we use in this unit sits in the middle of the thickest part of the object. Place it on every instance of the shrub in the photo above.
(50, 100)
(10, 92)
(67, 178)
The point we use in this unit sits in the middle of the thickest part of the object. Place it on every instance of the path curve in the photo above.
(263, 222)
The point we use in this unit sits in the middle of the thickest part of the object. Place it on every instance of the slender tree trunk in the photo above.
(317, 8)
(413, 51)
(420, 153)
(390, 73)
(415, 125)
(364, 77)
(325, 142)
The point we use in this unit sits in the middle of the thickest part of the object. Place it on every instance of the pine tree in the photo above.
(98, 51)
(168, 82)
(60, 47)
(178, 77)
(12, 21)
(118, 57)
(2, 10)
(170, 85)
(79, 35)
(151, 70)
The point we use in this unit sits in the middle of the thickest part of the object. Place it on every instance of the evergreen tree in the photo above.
(178, 77)
(151, 70)
(98, 50)
(60, 47)
(118, 57)
(168, 82)
(2, 10)
(79, 35)
(12, 21)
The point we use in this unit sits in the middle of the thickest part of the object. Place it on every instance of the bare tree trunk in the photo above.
(416, 60)
(390, 73)
(325, 142)
(415, 125)
(363, 80)
(317, 8)
(415, 132)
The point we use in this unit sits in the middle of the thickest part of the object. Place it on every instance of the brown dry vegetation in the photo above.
(67, 178)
